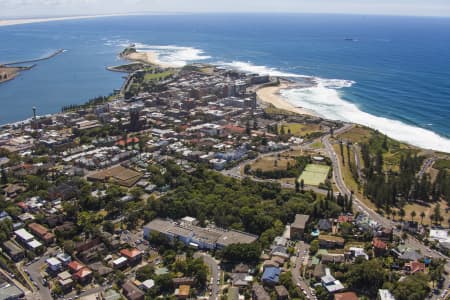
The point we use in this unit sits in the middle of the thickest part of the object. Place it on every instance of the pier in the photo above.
(35, 60)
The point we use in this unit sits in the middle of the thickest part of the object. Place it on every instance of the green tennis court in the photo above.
(314, 174)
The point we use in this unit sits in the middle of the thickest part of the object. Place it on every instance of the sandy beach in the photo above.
(148, 58)
(272, 95)
(12, 22)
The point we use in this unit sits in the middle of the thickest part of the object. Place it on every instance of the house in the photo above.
(324, 225)
(414, 267)
(41, 232)
(183, 281)
(358, 252)
(282, 292)
(14, 251)
(182, 292)
(53, 264)
(120, 262)
(259, 293)
(64, 258)
(148, 284)
(238, 280)
(10, 291)
(65, 281)
(379, 247)
(411, 226)
(132, 292)
(385, 295)
(271, 275)
(410, 255)
(75, 266)
(329, 241)
(298, 226)
(333, 258)
(23, 236)
(330, 283)
(83, 276)
(346, 296)
(133, 256)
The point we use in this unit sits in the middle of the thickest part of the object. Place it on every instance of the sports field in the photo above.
(314, 174)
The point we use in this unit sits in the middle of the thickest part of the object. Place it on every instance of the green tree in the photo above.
(413, 215)
(358, 277)
(145, 272)
(422, 215)
(414, 287)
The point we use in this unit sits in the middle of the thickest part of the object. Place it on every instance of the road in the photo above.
(34, 271)
(360, 206)
(425, 166)
(236, 172)
(215, 273)
(28, 294)
(301, 262)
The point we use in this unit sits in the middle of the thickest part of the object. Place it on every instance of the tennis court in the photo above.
(314, 174)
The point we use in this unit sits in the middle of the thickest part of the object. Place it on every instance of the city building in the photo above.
(298, 227)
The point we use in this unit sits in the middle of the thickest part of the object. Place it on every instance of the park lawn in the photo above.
(272, 110)
(357, 134)
(428, 212)
(267, 163)
(298, 129)
(317, 145)
(442, 164)
(157, 76)
(314, 174)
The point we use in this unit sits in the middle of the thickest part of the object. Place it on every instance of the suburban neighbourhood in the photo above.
(186, 185)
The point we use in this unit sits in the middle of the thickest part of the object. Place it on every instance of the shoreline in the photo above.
(272, 95)
(147, 57)
(13, 22)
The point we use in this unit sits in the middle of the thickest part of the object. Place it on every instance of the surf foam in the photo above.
(325, 99)
(174, 56)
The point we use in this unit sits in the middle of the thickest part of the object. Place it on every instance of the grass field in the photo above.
(271, 163)
(314, 174)
(300, 130)
(157, 76)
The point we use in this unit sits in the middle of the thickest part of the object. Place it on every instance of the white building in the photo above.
(385, 295)
(54, 264)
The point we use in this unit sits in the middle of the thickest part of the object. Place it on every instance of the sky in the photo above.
(45, 8)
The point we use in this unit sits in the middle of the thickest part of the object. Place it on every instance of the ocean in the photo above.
(389, 73)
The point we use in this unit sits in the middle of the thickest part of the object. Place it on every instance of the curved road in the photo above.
(360, 206)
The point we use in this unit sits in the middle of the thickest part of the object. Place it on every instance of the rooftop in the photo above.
(300, 221)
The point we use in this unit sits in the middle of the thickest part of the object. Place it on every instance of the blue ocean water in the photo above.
(390, 73)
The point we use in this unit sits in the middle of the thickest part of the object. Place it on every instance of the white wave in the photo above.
(175, 56)
(326, 100)
(262, 70)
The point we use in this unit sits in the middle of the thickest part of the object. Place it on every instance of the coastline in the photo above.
(147, 57)
(272, 95)
(12, 22)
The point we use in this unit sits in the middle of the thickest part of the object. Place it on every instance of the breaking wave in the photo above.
(324, 96)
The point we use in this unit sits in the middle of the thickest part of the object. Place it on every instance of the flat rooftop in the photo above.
(208, 235)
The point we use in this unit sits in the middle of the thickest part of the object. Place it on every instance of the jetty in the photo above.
(57, 52)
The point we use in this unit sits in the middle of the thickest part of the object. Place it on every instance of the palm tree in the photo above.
(402, 214)
(413, 215)
(422, 215)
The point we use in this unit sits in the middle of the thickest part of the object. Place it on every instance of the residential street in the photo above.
(215, 273)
